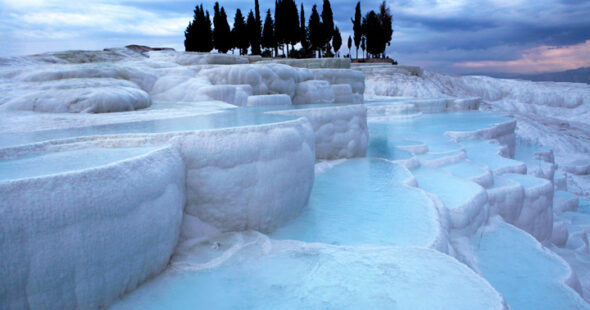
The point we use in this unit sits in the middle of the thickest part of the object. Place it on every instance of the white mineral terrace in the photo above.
(225, 182)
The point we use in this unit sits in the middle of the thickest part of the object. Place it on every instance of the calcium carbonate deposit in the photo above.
(173, 180)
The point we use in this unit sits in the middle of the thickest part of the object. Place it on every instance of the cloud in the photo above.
(537, 60)
(438, 34)
(443, 35)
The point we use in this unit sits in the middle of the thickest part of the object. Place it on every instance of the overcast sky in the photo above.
(453, 36)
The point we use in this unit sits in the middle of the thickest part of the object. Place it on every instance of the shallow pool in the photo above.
(365, 201)
(66, 161)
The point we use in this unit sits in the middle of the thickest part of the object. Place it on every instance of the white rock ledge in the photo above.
(250, 177)
(81, 239)
(340, 131)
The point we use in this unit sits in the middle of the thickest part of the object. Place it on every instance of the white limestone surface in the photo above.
(250, 177)
(340, 131)
(343, 93)
(80, 238)
(312, 63)
(536, 216)
(90, 95)
(355, 79)
(236, 177)
(289, 274)
(268, 100)
(264, 79)
(313, 92)
(506, 198)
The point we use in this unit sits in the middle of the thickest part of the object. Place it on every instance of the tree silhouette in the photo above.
(198, 36)
(316, 37)
(349, 47)
(207, 37)
(258, 29)
(240, 33)
(268, 33)
(336, 40)
(363, 46)
(280, 26)
(189, 36)
(303, 31)
(385, 23)
(291, 15)
(327, 25)
(377, 31)
(221, 32)
(357, 27)
(253, 33)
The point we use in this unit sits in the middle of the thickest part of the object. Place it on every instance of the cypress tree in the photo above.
(257, 12)
(363, 46)
(240, 33)
(328, 25)
(336, 40)
(315, 30)
(217, 38)
(280, 27)
(303, 31)
(357, 27)
(268, 33)
(221, 32)
(385, 23)
(189, 36)
(205, 35)
(349, 47)
(253, 33)
(292, 21)
(376, 34)
(198, 36)
(258, 30)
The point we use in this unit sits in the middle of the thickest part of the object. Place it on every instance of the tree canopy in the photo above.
(288, 30)
(336, 40)
(253, 33)
(268, 33)
(327, 24)
(240, 33)
(221, 32)
(316, 39)
(377, 30)
(198, 35)
(357, 27)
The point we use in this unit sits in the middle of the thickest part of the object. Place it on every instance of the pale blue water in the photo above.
(430, 128)
(363, 201)
(60, 162)
(526, 180)
(484, 152)
(225, 119)
(295, 276)
(500, 181)
(249, 280)
(454, 192)
(525, 151)
(388, 100)
(528, 276)
(383, 148)
(465, 169)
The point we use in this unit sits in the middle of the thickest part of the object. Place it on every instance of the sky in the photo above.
(450, 36)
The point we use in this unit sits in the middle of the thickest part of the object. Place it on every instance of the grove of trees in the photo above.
(285, 32)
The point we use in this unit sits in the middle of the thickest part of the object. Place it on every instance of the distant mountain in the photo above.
(580, 75)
